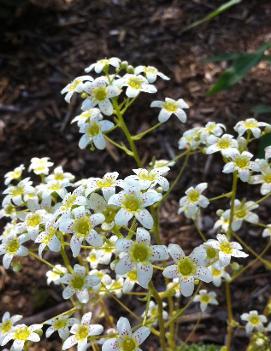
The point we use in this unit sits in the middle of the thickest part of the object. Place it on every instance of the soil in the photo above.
(45, 46)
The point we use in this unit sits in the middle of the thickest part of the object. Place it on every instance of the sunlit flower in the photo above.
(218, 273)
(255, 321)
(107, 184)
(87, 115)
(186, 269)
(151, 73)
(205, 298)
(250, 124)
(20, 334)
(82, 332)
(49, 238)
(225, 144)
(264, 178)
(169, 107)
(126, 339)
(12, 247)
(60, 325)
(14, 175)
(40, 165)
(243, 212)
(98, 204)
(33, 221)
(99, 94)
(15, 193)
(93, 132)
(152, 312)
(212, 128)
(7, 324)
(78, 283)
(267, 232)
(163, 166)
(191, 139)
(135, 84)
(227, 249)
(149, 178)
(139, 255)
(69, 202)
(60, 176)
(130, 279)
(240, 163)
(76, 86)
(132, 203)
(193, 200)
(100, 65)
(81, 224)
(54, 275)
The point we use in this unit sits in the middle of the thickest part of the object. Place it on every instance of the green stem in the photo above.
(230, 316)
(162, 330)
(42, 260)
(65, 258)
(220, 196)
(139, 136)
(233, 195)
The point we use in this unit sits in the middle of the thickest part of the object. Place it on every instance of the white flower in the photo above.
(94, 133)
(250, 124)
(212, 128)
(116, 287)
(153, 312)
(22, 333)
(243, 212)
(99, 93)
(69, 202)
(81, 224)
(218, 272)
(14, 175)
(135, 84)
(240, 162)
(130, 281)
(264, 178)
(60, 325)
(40, 165)
(12, 247)
(78, 283)
(76, 86)
(82, 332)
(49, 238)
(107, 184)
(255, 321)
(169, 107)
(33, 221)
(87, 115)
(206, 298)
(267, 232)
(191, 139)
(99, 66)
(149, 178)
(60, 176)
(162, 165)
(151, 73)
(15, 193)
(139, 255)
(126, 339)
(99, 204)
(186, 269)
(225, 144)
(226, 248)
(267, 151)
(7, 324)
(194, 199)
(55, 274)
(133, 202)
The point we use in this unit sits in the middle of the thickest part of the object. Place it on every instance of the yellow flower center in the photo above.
(82, 226)
(241, 162)
(205, 298)
(59, 176)
(225, 247)
(223, 143)
(82, 332)
(109, 213)
(255, 320)
(5, 327)
(145, 175)
(250, 123)
(193, 195)
(74, 84)
(93, 129)
(22, 334)
(216, 272)
(100, 93)
(140, 252)
(12, 246)
(33, 220)
(105, 183)
(211, 252)
(267, 178)
(77, 282)
(131, 203)
(187, 267)
(69, 202)
(17, 191)
(54, 186)
(240, 212)
(15, 174)
(135, 83)
(60, 323)
(150, 69)
(170, 106)
(128, 344)
(132, 275)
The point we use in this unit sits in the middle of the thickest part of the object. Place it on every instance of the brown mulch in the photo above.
(44, 47)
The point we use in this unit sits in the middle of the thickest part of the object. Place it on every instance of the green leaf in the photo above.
(263, 143)
(213, 14)
(242, 64)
